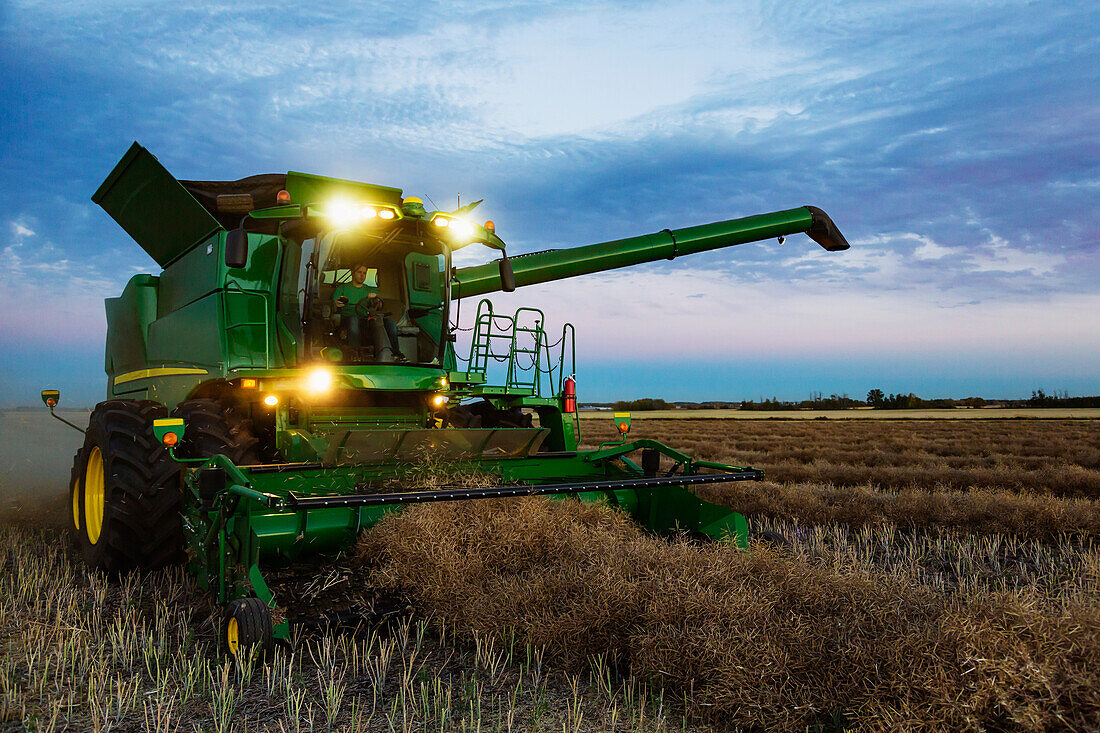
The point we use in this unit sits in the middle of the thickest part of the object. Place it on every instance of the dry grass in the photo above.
(1032, 478)
(978, 511)
(80, 653)
(756, 639)
(940, 576)
(1056, 457)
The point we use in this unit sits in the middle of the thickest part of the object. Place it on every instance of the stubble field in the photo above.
(916, 574)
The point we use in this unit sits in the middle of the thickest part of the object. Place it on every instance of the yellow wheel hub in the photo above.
(75, 490)
(94, 490)
(232, 639)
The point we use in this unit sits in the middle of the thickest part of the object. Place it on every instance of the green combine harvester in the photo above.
(296, 358)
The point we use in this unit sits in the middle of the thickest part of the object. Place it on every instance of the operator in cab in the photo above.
(361, 305)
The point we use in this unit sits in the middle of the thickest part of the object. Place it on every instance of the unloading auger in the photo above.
(273, 388)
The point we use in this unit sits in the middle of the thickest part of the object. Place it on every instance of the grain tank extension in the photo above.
(272, 390)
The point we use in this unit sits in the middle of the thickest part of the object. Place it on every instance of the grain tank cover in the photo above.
(153, 207)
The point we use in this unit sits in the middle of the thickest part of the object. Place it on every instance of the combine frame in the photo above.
(252, 424)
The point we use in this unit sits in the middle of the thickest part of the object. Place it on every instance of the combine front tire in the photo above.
(76, 500)
(214, 428)
(128, 510)
(246, 625)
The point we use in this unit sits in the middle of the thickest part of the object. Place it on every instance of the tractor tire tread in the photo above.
(214, 428)
(76, 522)
(141, 527)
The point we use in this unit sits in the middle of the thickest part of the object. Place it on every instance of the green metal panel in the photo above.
(664, 245)
(305, 188)
(193, 275)
(249, 342)
(424, 279)
(128, 318)
(190, 335)
(151, 205)
(249, 307)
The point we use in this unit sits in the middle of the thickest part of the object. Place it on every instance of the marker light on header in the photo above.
(168, 430)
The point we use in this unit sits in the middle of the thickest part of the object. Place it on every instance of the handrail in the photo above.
(490, 326)
(567, 329)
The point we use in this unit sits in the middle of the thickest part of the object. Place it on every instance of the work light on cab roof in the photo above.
(298, 355)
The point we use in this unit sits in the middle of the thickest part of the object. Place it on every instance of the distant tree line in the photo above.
(880, 401)
(646, 403)
(876, 399)
(1039, 398)
(816, 402)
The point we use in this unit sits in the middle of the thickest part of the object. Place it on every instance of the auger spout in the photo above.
(666, 244)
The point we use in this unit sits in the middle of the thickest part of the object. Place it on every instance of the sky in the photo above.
(956, 145)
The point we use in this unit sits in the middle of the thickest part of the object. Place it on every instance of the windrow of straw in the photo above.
(751, 639)
(979, 511)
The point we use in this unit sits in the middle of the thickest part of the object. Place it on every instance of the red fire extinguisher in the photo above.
(569, 395)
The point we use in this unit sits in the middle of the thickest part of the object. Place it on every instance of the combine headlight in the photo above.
(439, 400)
(271, 400)
(386, 214)
(367, 212)
(341, 213)
(462, 229)
(318, 380)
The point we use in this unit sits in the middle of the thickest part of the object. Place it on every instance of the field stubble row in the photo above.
(872, 616)
(81, 652)
(1057, 457)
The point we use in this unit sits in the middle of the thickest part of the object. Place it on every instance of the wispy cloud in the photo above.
(953, 143)
(46, 296)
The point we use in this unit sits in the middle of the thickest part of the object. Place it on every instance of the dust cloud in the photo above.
(36, 458)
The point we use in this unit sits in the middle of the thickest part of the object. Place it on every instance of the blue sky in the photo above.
(955, 144)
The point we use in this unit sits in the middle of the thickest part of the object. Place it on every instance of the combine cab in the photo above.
(273, 388)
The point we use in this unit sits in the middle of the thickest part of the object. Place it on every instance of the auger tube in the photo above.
(666, 244)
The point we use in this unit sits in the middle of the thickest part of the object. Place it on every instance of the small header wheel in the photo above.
(246, 625)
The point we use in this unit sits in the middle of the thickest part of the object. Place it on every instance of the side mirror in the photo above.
(236, 248)
(507, 277)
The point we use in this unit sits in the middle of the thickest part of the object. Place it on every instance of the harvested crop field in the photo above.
(916, 575)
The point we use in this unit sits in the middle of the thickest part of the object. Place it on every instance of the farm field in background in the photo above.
(990, 413)
(907, 574)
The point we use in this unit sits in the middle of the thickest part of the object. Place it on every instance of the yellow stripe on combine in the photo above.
(158, 372)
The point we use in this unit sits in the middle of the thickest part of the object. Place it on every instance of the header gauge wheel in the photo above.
(246, 625)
